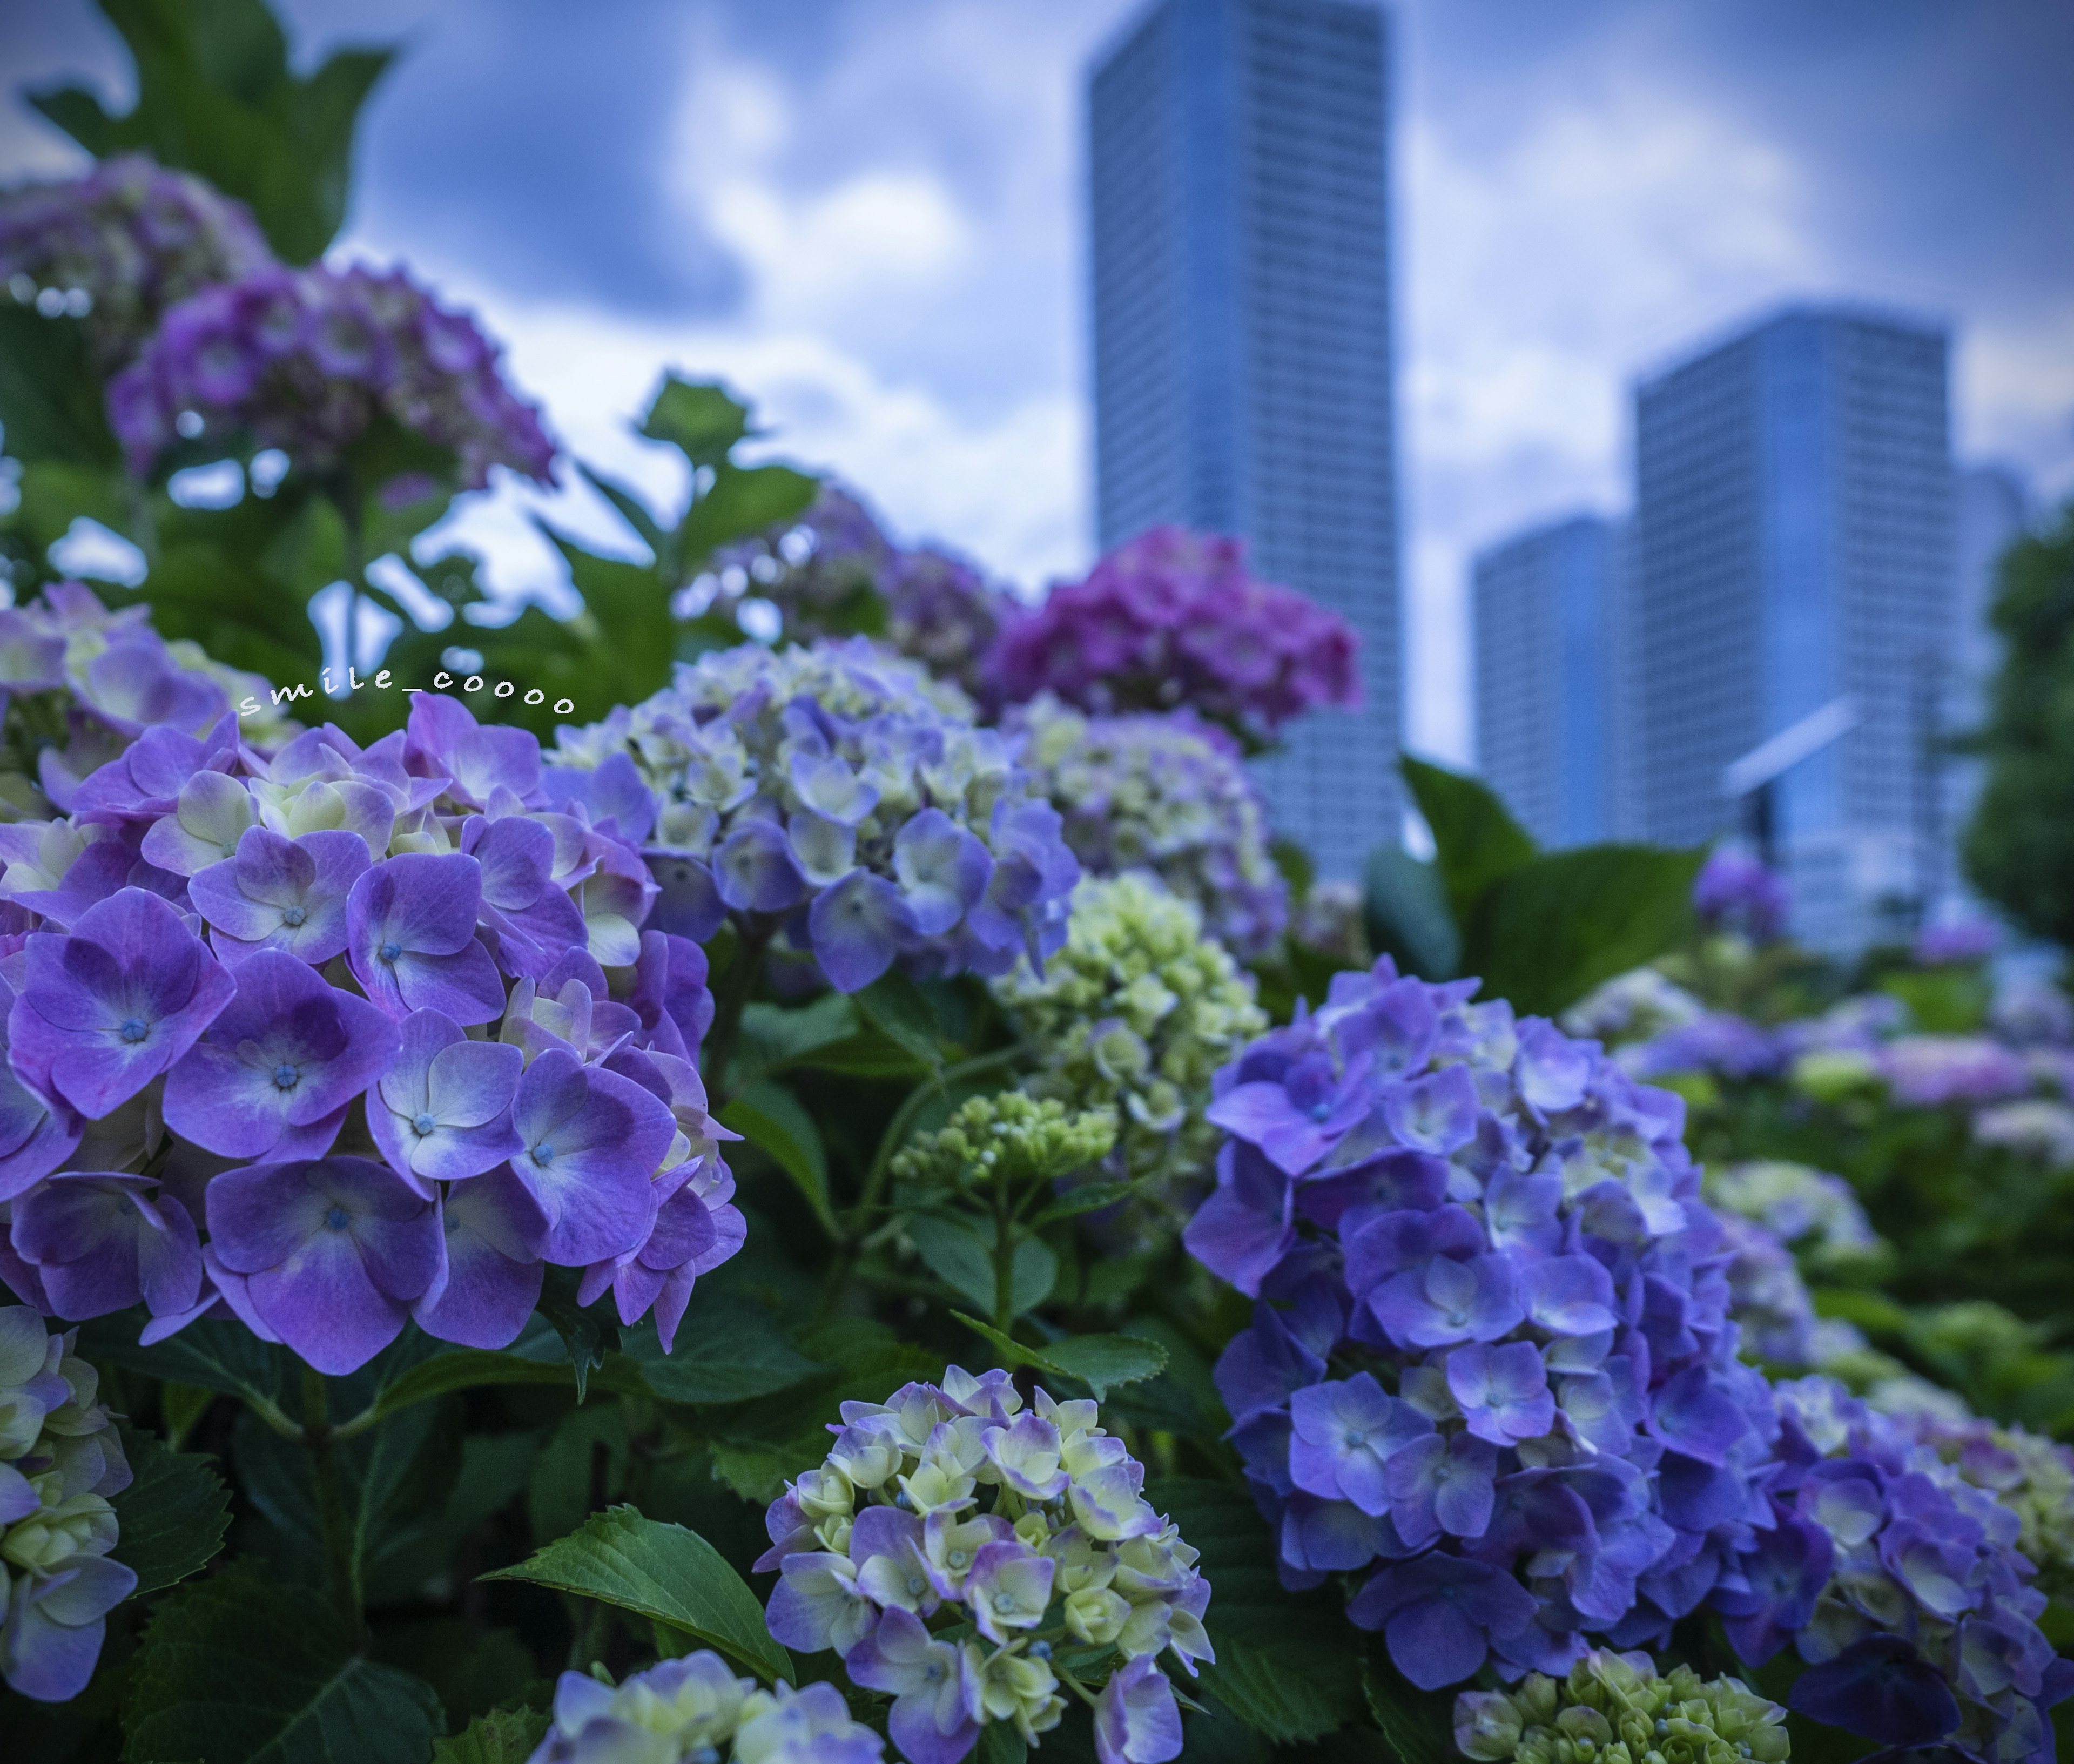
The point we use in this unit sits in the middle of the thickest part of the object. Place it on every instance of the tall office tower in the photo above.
(1239, 170)
(1793, 510)
(1544, 604)
(1992, 511)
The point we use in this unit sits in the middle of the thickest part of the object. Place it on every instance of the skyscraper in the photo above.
(1544, 603)
(1238, 160)
(1793, 527)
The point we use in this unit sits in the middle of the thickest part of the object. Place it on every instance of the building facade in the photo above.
(1238, 198)
(1543, 607)
(1794, 546)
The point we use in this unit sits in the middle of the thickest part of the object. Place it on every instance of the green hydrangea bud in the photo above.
(1616, 1709)
(1136, 1014)
(1008, 1137)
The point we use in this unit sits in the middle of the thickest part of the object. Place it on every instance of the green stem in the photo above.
(737, 986)
(1004, 1255)
(341, 1560)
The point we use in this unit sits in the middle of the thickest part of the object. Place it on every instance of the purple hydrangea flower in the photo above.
(589, 1144)
(101, 1243)
(410, 939)
(273, 1075)
(109, 1007)
(275, 893)
(935, 1714)
(1136, 1721)
(325, 1254)
(1174, 618)
(1498, 1224)
(1735, 891)
(492, 1236)
(441, 1111)
(841, 780)
(243, 357)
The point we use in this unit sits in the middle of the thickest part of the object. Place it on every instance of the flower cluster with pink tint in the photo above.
(336, 1038)
(1174, 618)
(306, 361)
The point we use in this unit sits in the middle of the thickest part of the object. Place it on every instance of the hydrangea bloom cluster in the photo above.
(938, 608)
(1900, 1582)
(305, 360)
(79, 683)
(1818, 1215)
(1168, 795)
(1491, 1372)
(1615, 1708)
(1135, 1013)
(60, 1459)
(1768, 1299)
(2031, 1476)
(1171, 619)
(383, 1023)
(1956, 942)
(119, 246)
(1637, 1005)
(1009, 1138)
(955, 1505)
(1735, 891)
(683, 1711)
(837, 791)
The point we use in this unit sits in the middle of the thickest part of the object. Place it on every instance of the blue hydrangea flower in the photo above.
(838, 791)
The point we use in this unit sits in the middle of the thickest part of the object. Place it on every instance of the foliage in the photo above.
(1540, 928)
(2020, 846)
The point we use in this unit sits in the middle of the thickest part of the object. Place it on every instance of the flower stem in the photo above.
(341, 1560)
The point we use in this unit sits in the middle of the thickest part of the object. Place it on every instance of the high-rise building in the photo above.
(1239, 176)
(1794, 533)
(1544, 604)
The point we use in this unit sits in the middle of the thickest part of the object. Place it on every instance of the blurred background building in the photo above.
(1239, 192)
(1544, 606)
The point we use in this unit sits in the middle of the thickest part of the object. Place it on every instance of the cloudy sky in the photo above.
(865, 215)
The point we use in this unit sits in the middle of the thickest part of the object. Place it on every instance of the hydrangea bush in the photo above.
(340, 1038)
(1022, 1530)
(60, 1459)
(839, 792)
(1166, 795)
(1171, 620)
(1490, 1375)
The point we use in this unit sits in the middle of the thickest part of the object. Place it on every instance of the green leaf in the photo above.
(1417, 1724)
(50, 396)
(901, 1012)
(728, 1350)
(235, 1671)
(774, 1036)
(538, 1357)
(1088, 1197)
(501, 1736)
(1288, 1665)
(1476, 840)
(773, 1119)
(740, 502)
(701, 420)
(999, 1743)
(960, 1253)
(663, 1572)
(173, 1514)
(1404, 906)
(217, 1356)
(1546, 933)
(631, 509)
(1099, 1361)
(868, 1056)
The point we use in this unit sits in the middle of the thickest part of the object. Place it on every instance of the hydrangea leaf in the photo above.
(775, 1036)
(1288, 1665)
(773, 1119)
(901, 1011)
(1416, 1722)
(217, 1356)
(1548, 931)
(501, 1736)
(173, 1514)
(235, 1668)
(961, 1254)
(663, 1572)
(1404, 909)
(1475, 841)
(729, 1349)
(1099, 1361)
